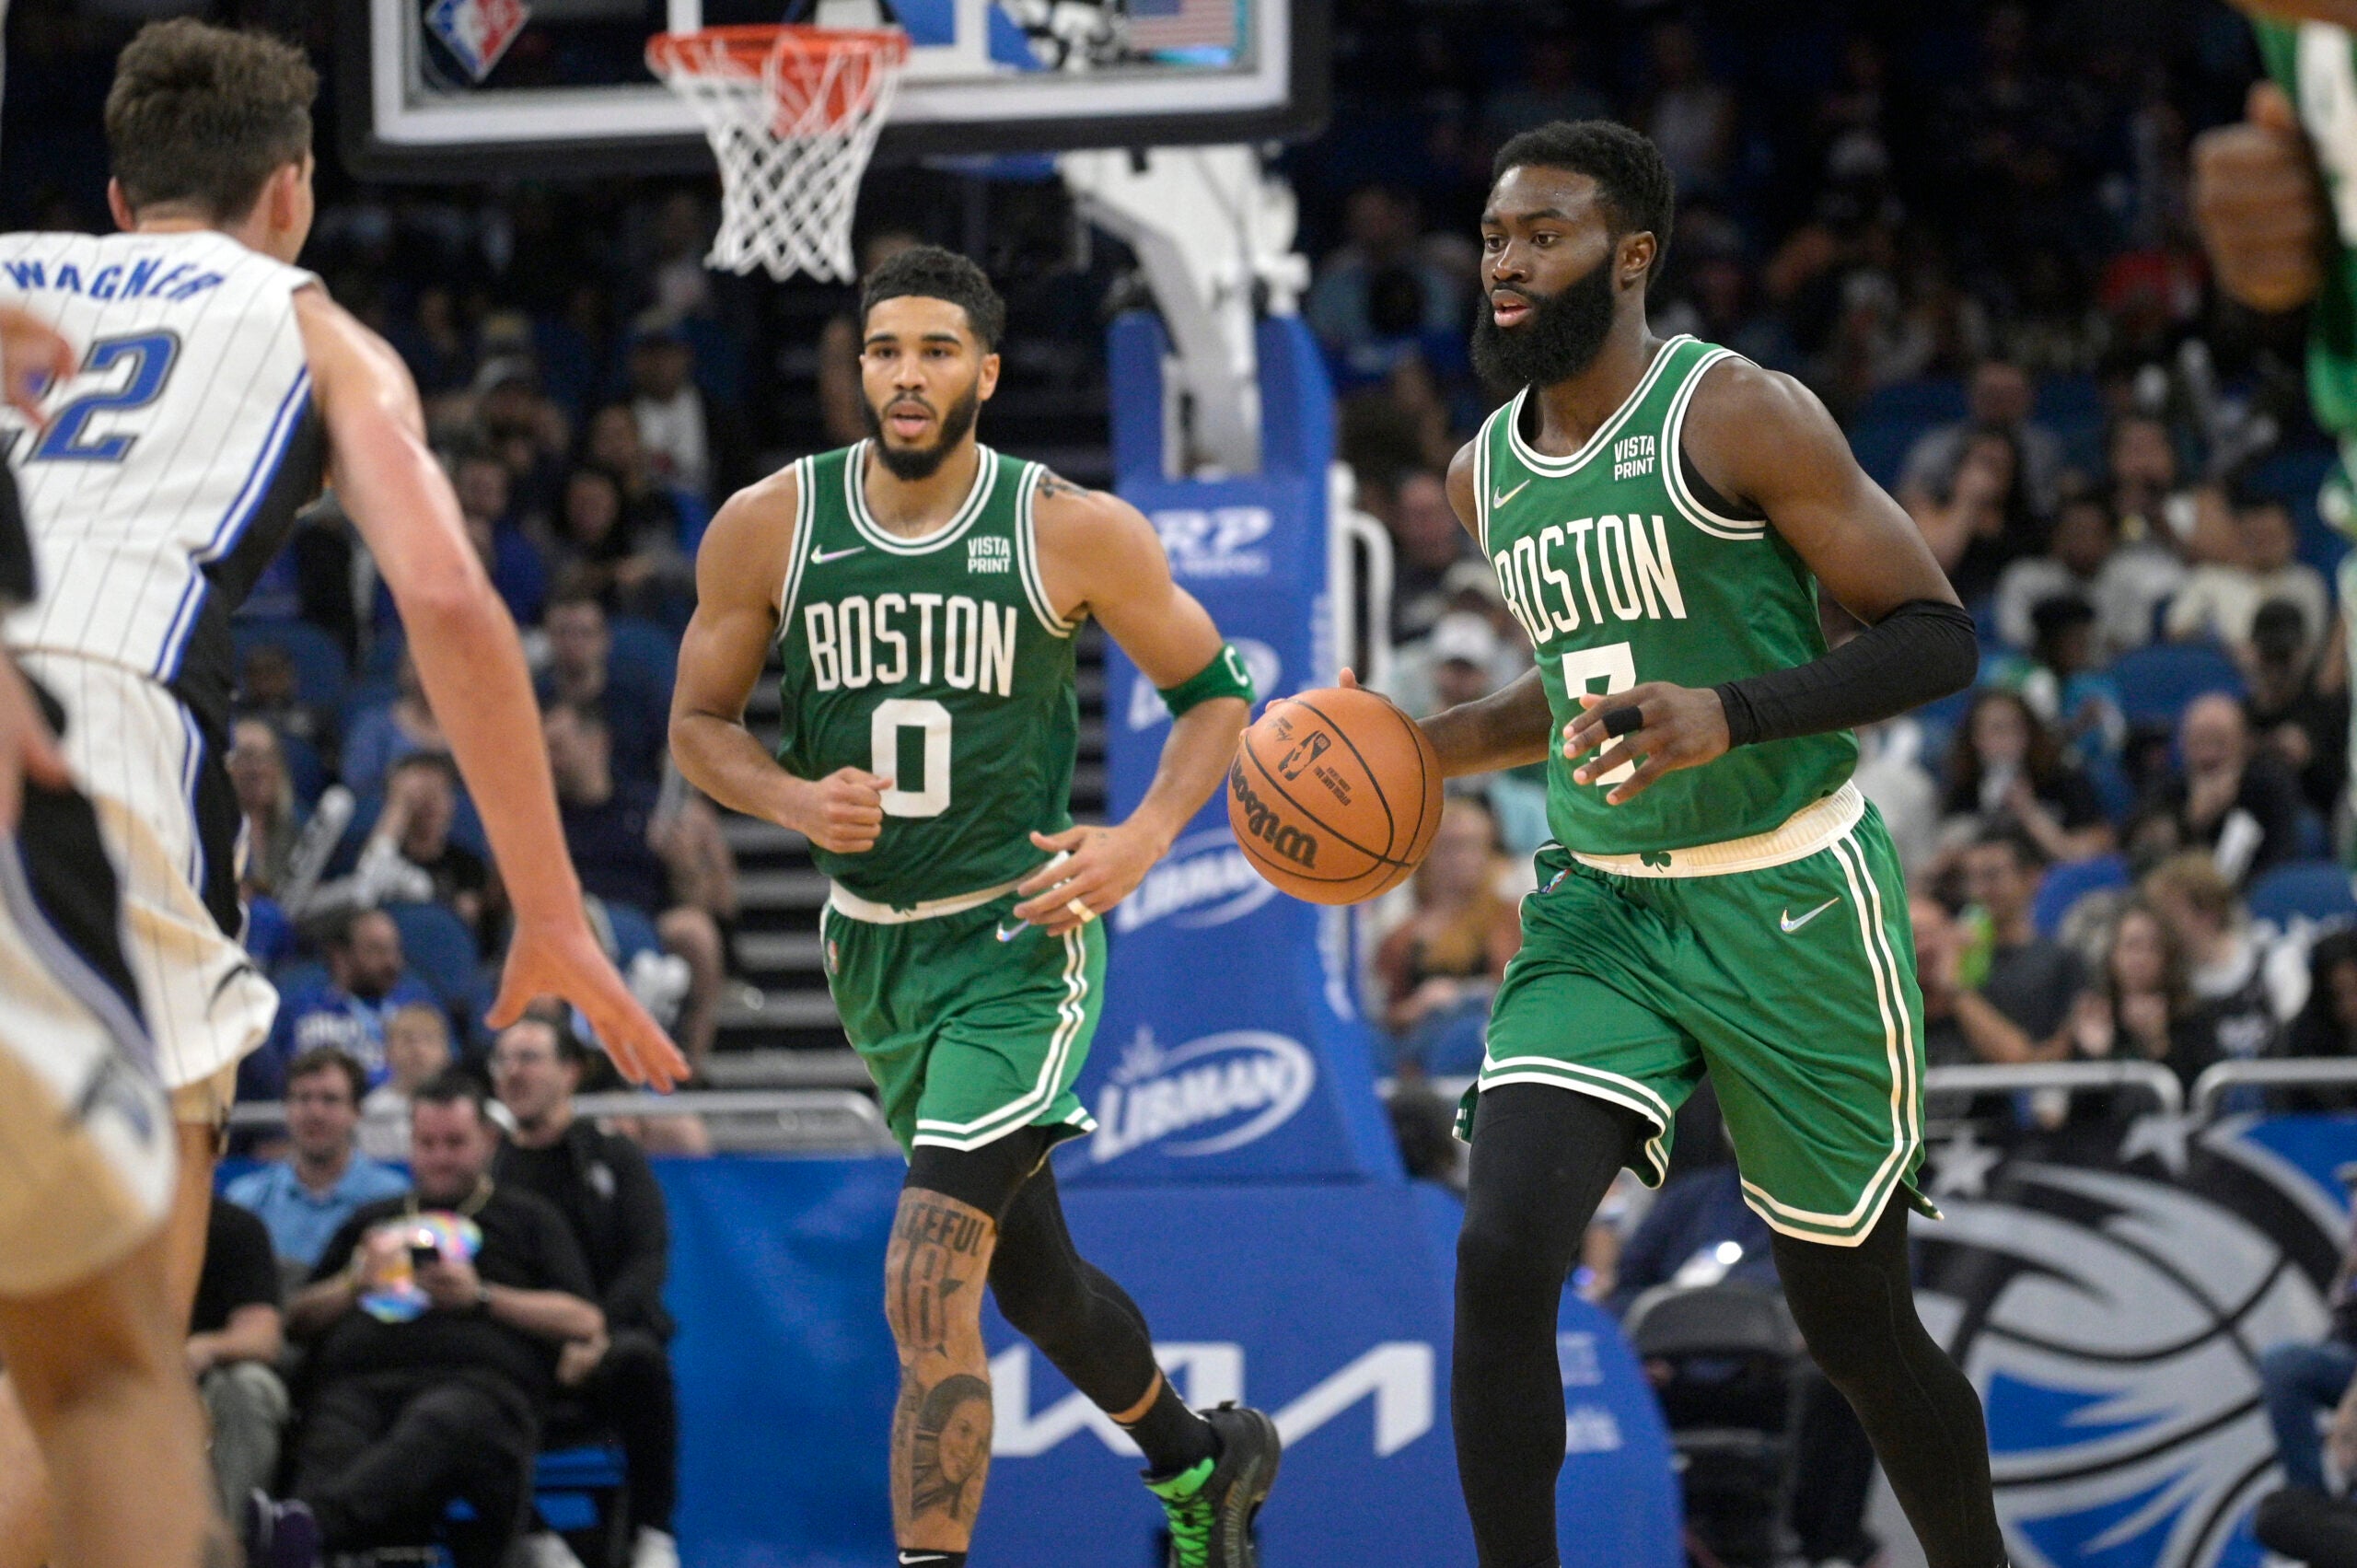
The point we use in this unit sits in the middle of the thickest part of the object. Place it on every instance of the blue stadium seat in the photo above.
(645, 649)
(304, 769)
(319, 673)
(2065, 884)
(1881, 445)
(2316, 888)
(1939, 720)
(440, 950)
(2157, 681)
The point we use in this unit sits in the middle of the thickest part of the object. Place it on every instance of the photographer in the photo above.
(435, 1321)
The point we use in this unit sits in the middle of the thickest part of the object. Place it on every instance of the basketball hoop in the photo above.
(792, 112)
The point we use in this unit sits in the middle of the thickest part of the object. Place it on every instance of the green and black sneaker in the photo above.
(1211, 1506)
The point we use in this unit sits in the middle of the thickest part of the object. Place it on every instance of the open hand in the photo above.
(1095, 868)
(559, 958)
(1679, 728)
(842, 813)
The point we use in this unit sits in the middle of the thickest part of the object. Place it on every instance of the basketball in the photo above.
(1334, 795)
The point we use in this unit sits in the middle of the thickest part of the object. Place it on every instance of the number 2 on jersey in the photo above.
(930, 719)
(1615, 664)
(151, 355)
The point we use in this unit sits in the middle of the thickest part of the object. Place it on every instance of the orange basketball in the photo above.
(1334, 795)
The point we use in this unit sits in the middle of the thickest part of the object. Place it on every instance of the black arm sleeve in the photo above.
(1922, 651)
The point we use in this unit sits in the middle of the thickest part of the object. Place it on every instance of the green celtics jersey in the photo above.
(2316, 64)
(937, 662)
(1620, 575)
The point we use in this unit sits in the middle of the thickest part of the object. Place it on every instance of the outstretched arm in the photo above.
(1761, 437)
(472, 668)
(738, 570)
(1099, 555)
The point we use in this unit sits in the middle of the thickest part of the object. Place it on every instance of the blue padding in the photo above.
(2316, 888)
(320, 673)
(2066, 883)
(2157, 681)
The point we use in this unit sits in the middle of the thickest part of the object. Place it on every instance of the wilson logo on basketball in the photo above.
(1284, 840)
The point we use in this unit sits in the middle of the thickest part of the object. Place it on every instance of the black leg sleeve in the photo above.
(1856, 1307)
(1543, 1158)
(1080, 1320)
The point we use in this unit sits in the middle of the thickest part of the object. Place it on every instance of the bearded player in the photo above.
(922, 592)
(217, 387)
(1719, 896)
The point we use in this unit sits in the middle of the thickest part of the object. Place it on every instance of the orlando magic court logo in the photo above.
(2110, 1300)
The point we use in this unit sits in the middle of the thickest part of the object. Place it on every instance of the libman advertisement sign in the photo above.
(2109, 1292)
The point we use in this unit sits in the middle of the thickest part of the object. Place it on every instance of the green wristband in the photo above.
(1223, 677)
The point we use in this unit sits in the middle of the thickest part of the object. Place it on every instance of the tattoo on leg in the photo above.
(934, 1272)
(950, 1454)
(935, 1242)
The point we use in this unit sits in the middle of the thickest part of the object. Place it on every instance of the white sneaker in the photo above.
(544, 1548)
(654, 1549)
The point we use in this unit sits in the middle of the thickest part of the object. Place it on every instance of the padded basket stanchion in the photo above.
(792, 112)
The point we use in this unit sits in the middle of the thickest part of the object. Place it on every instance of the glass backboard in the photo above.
(445, 89)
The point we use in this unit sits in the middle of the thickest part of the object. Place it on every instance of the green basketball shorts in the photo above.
(1784, 965)
(974, 1023)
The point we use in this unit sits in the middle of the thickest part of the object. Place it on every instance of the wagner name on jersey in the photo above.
(936, 662)
(173, 464)
(1620, 574)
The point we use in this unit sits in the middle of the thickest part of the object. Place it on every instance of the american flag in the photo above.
(1158, 24)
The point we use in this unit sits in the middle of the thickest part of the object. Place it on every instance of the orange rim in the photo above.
(751, 44)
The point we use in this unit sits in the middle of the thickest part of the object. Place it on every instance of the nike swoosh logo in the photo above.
(820, 558)
(908, 1562)
(1791, 926)
(1497, 500)
(1007, 932)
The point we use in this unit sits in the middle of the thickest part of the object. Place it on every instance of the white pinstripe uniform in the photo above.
(167, 474)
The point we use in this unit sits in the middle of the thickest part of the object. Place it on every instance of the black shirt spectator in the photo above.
(2006, 770)
(607, 820)
(240, 1268)
(602, 1185)
(236, 1333)
(431, 1359)
(2291, 720)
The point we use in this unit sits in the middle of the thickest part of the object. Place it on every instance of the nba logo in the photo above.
(477, 31)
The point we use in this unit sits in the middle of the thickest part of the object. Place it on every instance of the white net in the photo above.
(792, 114)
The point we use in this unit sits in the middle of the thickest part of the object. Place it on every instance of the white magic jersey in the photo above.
(173, 462)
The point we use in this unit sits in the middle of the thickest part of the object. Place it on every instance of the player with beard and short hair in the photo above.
(1661, 515)
(922, 592)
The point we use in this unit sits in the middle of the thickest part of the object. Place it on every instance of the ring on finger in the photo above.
(1080, 908)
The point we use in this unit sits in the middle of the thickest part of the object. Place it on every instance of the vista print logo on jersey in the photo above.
(1202, 882)
(1218, 542)
(1208, 1095)
(477, 32)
